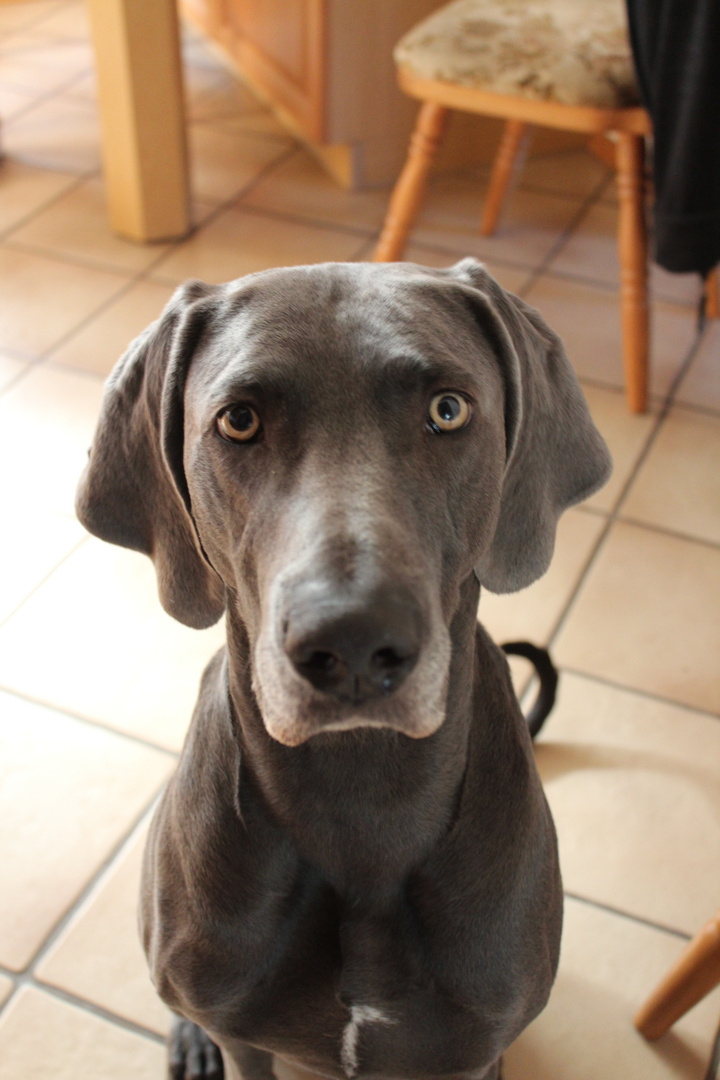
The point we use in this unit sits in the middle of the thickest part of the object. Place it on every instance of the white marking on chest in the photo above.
(359, 1015)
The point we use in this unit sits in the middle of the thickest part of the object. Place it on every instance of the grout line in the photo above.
(665, 531)
(649, 695)
(85, 1006)
(367, 232)
(32, 214)
(89, 720)
(48, 95)
(39, 584)
(612, 910)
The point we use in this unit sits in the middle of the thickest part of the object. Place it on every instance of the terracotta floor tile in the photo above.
(592, 250)
(6, 988)
(213, 93)
(77, 226)
(10, 368)
(634, 787)
(608, 966)
(301, 187)
(259, 123)
(98, 956)
(239, 242)
(46, 425)
(32, 547)
(648, 617)
(43, 299)
(531, 223)
(510, 277)
(223, 162)
(533, 612)
(24, 190)
(103, 340)
(565, 172)
(678, 485)
(59, 774)
(588, 321)
(701, 385)
(109, 651)
(60, 133)
(625, 434)
(42, 1037)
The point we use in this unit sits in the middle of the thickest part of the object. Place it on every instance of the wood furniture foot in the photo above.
(712, 301)
(408, 192)
(137, 51)
(512, 142)
(695, 974)
(632, 240)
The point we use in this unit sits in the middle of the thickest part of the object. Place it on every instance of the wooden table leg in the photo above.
(632, 243)
(409, 190)
(137, 53)
(504, 165)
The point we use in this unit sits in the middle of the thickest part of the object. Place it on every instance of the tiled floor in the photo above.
(97, 684)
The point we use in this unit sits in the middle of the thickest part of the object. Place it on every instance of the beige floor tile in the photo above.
(648, 617)
(46, 425)
(240, 242)
(42, 1037)
(214, 93)
(509, 277)
(10, 368)
(259, 122)
(678, 486)
(83, 90)
(15, 17)
(103, 340)
(98, 957)
(588, 321)
(6, 988)
(58, 776)
(77, 226)
(68, 21)
(24, 190)
(223, 162)
(676, 288)
(634, 787)
(60, 133)
(608, 966)
(625, 433)
(31, 548)
(533, 612)
(13, 101)
(567, 172)
(40, 66)
(531, 223)
(94, 640)
(701, 385)
(301, 187)
(44, 298)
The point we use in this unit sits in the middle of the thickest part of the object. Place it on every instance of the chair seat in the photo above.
(575, 52)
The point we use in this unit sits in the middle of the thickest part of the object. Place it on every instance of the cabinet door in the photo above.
(281, 46)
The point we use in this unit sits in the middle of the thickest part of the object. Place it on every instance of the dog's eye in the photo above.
(448, 412)
(239, 423)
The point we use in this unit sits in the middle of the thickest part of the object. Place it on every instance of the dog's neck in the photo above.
(365, 804)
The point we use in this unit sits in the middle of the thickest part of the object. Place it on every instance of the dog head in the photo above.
(333, 450)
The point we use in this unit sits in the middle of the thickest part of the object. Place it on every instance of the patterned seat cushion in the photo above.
(572, 51)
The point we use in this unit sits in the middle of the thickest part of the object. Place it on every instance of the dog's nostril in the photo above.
(324, 663)
(387, 660)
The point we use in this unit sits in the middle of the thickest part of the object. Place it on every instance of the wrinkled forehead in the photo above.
(343, 326)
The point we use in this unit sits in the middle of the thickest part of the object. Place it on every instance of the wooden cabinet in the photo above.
(326, 68)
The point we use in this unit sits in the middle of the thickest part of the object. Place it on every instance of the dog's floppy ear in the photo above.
(555, 456)
(133, 490)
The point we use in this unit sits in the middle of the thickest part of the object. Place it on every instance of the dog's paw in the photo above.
(192, 1054)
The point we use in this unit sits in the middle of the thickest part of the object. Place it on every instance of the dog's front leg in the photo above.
(192, 1055)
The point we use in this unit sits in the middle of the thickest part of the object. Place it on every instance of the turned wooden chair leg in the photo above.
(409, 190)
(712, 301)
(695, 974)
(632, 242)
(511, 143)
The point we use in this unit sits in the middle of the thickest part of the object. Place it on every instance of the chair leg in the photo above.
(513, 138)
(695, 974)
(409, 190)
(712, 302)
(632, 242)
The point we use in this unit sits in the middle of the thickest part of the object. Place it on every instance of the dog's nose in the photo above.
(356, 653)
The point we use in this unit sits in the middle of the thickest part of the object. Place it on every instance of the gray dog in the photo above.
(354, 868)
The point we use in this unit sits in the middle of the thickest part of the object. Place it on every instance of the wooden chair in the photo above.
(546, 62)
(692, 977)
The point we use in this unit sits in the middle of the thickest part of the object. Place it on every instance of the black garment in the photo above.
(676, 47)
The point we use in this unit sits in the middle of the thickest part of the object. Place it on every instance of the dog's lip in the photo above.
(296, 733)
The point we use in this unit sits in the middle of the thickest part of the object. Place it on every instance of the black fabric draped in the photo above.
(676, 47)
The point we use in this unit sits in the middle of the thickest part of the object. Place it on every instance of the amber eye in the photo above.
(448, 412)
(239, 423)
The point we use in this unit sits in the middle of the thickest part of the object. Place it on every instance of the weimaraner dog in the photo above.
(354, 869)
